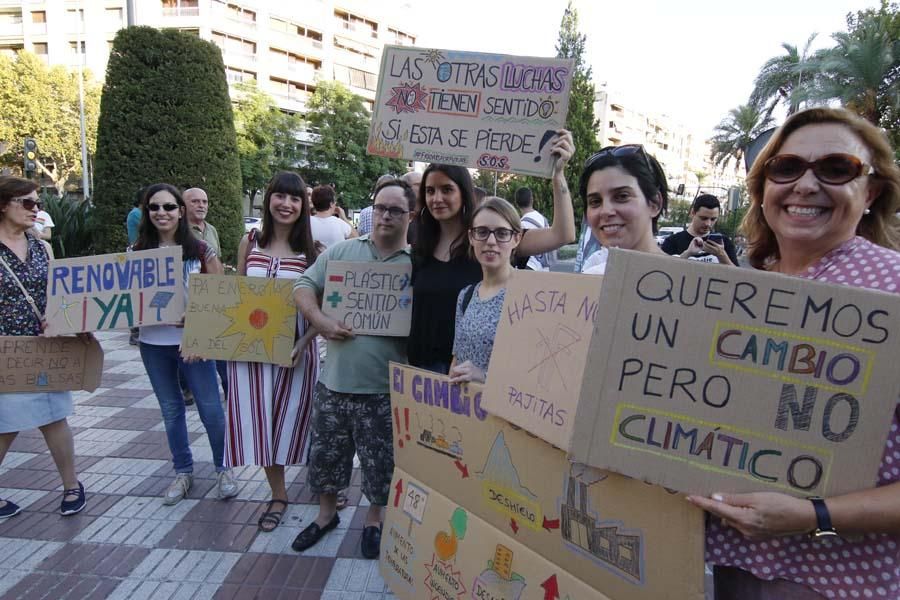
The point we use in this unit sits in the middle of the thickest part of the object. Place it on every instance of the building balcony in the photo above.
(239, 60)
(296, 43)
(11, 30)
(222, 15)
(358, 31)
(303, 72)
(291, 102)
(181, 11)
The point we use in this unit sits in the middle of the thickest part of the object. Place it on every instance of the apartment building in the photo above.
(287, 47)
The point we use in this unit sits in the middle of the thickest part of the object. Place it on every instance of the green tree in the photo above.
(742, 125)
(339, 156)
(782, 76)
(580, 119)
(165, 116)
(266, 137)
(42, 102)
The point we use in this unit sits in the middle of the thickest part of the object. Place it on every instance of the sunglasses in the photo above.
(620, 152)
(168, 207)
(833, 169)
(501, 234)
(29, 203)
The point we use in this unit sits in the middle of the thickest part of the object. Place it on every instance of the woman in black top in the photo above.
(442, 264)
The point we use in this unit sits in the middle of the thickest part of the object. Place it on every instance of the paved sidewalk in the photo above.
(127, 544)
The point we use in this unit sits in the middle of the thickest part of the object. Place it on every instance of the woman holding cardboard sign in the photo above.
(824, 196)
(164, 224)
(24, 266)
(442, 265)
(269, 406)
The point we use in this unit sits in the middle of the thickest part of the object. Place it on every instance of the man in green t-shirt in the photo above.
(352, 406)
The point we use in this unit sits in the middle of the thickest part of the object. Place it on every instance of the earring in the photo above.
(867, 212)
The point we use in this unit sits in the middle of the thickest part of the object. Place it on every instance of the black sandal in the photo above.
(71, 507)
(272, 517)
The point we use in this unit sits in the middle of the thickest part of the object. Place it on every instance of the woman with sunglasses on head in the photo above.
(24, 266)
(163, 224)
(624, 191)
(269, 406)
(824, 195)
(442, 265)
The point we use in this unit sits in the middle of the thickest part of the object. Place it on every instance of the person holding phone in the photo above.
(698, 241)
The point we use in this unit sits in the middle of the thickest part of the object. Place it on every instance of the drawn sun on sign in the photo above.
(433, 57)
(407, 98)
(259, 317)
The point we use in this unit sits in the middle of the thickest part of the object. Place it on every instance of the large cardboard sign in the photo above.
(486, 111)
(115, 291)
(49, 364)
(620, 536)
(251, 319)
(545, 328)
(703, 378)
(370, 298)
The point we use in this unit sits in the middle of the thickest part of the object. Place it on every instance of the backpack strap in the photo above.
(251, 241)
(467, 297)
(533, 222)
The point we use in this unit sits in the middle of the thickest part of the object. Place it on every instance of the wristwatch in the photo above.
(824, 528)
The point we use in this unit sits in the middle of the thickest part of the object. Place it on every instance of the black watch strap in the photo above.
(824, 528)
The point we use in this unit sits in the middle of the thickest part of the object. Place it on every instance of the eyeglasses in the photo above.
(394, 211)
(168, 207)
(501, 234)
(833, 169)
(28, 203)
(620, 152)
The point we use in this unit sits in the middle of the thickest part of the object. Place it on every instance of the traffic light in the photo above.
(30, 156)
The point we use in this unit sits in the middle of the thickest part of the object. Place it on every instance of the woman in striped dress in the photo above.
(269, 406)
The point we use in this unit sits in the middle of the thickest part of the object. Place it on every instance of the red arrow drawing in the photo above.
(399, 488)
(463, 469)
(514, 525)
(551, 588)
(548, 524)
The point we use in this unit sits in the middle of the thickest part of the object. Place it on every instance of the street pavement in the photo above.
(126, 544)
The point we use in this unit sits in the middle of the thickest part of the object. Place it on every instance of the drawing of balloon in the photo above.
(444, 71)
(458, 522)
(445, 545)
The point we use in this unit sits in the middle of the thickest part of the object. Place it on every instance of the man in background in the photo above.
(698, 241)
(531, 219)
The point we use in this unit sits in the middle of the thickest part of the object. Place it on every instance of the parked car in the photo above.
(665, 232)
(252, 223)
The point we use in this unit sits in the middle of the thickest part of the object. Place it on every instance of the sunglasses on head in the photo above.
(833, 169)
(168, 207)
(29, 203)
(620, 152)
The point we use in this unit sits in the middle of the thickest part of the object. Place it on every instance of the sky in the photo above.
(693, 60)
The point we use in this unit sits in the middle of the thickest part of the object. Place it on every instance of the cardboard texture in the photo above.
(451, 554)
(548, 318)
(49, 364)
(115, 291)
(619, 536)
(370, 298)
(706, 379)
(250, 319)
(485, 111)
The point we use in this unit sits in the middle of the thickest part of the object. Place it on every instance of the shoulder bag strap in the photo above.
(25, 293)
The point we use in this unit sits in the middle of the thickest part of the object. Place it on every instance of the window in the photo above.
(40, 48)
(356, 77)
(400, 38)
(39, 16)
(351, 22)
(113, 18)
(238, 75)
(10, 18)
(239, 13)
(288, 28)
(181, 8)
(234, 45)
(74, 49)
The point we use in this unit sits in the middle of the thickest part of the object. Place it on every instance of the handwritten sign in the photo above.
(708, 379)
(251, 319)
(115, 291)
(49, 364)
(534, 380)
(371, 298)
(487, 111)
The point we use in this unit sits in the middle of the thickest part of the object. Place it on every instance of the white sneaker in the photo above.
(226, 487)
(179, 489)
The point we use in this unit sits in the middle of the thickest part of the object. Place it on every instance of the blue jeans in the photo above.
(163, 364)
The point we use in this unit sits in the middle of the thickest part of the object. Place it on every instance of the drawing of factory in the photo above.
(604, 542)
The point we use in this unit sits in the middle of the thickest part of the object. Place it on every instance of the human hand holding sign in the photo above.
(562, 148)
(332, 329)
(762, 515)
(465, 372)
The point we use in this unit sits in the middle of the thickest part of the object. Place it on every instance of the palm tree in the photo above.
(782, 76)
(742, 125)
(862, 71)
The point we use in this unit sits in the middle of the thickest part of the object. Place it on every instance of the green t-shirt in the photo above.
(208, 235)
(358, 365)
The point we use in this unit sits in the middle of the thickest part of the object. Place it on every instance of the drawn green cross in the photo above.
(334, 299)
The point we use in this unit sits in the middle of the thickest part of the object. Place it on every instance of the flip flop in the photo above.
(271, 517)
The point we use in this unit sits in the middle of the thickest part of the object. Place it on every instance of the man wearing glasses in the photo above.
(352, 406)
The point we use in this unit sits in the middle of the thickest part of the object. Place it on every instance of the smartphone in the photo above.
(716, 238)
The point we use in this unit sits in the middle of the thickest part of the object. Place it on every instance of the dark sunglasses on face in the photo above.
(833, 169)
(501, 234)
(394, 211)
(29, 203)
(168, 207)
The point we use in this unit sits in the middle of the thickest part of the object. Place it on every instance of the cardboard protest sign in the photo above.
(452, 554)
(544, 332)
(115, 291)
(704, 379)
(49, 364)
(620, 536)
(251, 319)
(486, 111)
(371, 298)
